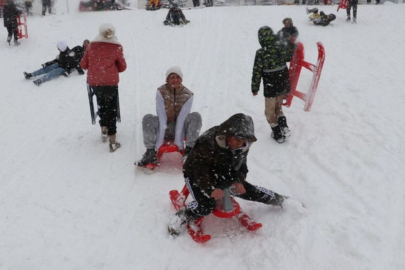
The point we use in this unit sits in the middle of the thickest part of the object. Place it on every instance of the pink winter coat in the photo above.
(104, 60)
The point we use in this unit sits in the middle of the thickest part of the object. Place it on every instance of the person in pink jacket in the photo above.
(104, 60)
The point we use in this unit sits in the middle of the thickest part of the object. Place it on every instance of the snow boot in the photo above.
(276, 200)
(150, 156)
(348, 19)
(8, 40)
(16, 43)
(186, 152)
(314, 10)
(282, 122)
(114, 145)
(104, 134)
(38, 82)
(277, 135)
(354, 20)
(27, 75)
(178, 222)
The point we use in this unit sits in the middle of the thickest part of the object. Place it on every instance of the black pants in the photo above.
(46, 4)
(12, 30)
(107, 101)
(196, 3)
(203, 204)
(349, 6)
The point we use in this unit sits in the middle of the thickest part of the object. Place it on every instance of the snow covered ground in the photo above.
(67, 203)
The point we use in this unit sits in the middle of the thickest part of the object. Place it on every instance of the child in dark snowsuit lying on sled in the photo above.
(320, 18)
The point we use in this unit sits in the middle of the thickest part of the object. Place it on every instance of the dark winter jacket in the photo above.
(273, 56)
(176, 16)
(212, 164)
(64, 60)
(286, 32)
(10, 13)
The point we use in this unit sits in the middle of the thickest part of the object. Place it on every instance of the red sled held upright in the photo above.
(22, 26)
(342, 4)
(296, 65)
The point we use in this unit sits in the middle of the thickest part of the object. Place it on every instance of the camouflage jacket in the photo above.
(273, 56)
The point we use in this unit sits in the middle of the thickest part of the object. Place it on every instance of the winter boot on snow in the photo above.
(277, 135)
(178, 222)
(114, 145)
(282, 123)
(104, 135)
(354, 20)
(38, 82)
(27, 75)
(16, 43)
(314, 10)
(150, 156)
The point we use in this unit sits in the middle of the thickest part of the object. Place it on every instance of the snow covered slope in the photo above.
(67, 203)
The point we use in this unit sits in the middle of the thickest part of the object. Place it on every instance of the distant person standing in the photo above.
(104, 60)
(46, 4)
(28, 7)
(352, 4)
(196, 3)
(289, 33)
(10, 14)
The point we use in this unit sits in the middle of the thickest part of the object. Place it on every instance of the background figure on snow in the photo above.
(46, 5)
(28, 7)
(77, 54)
(104, 60)
(289, 33)
(320, 18)
(10, 14)
(153, 5)
(219, 161)
(271, 65)
(175, 16)
(61, 65)
(173, 122)
(352, 4)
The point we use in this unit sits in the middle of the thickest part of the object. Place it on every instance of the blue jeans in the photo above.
(50, 72)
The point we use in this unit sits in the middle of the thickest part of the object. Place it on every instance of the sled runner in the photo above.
(226, 208)
(296, 65)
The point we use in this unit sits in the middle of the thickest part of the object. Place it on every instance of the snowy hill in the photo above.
(67, 203)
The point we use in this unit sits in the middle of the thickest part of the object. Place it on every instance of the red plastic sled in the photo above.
(22, 26)
(296, 65)
(167, 147)
(342, 5)
(195, 231)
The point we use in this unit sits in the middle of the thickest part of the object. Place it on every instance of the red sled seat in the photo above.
(179, 201)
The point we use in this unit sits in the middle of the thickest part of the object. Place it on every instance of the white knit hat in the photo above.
(61, 46)
(176, 70)
(107, 30)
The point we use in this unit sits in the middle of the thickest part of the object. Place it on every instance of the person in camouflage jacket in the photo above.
(271, 65)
